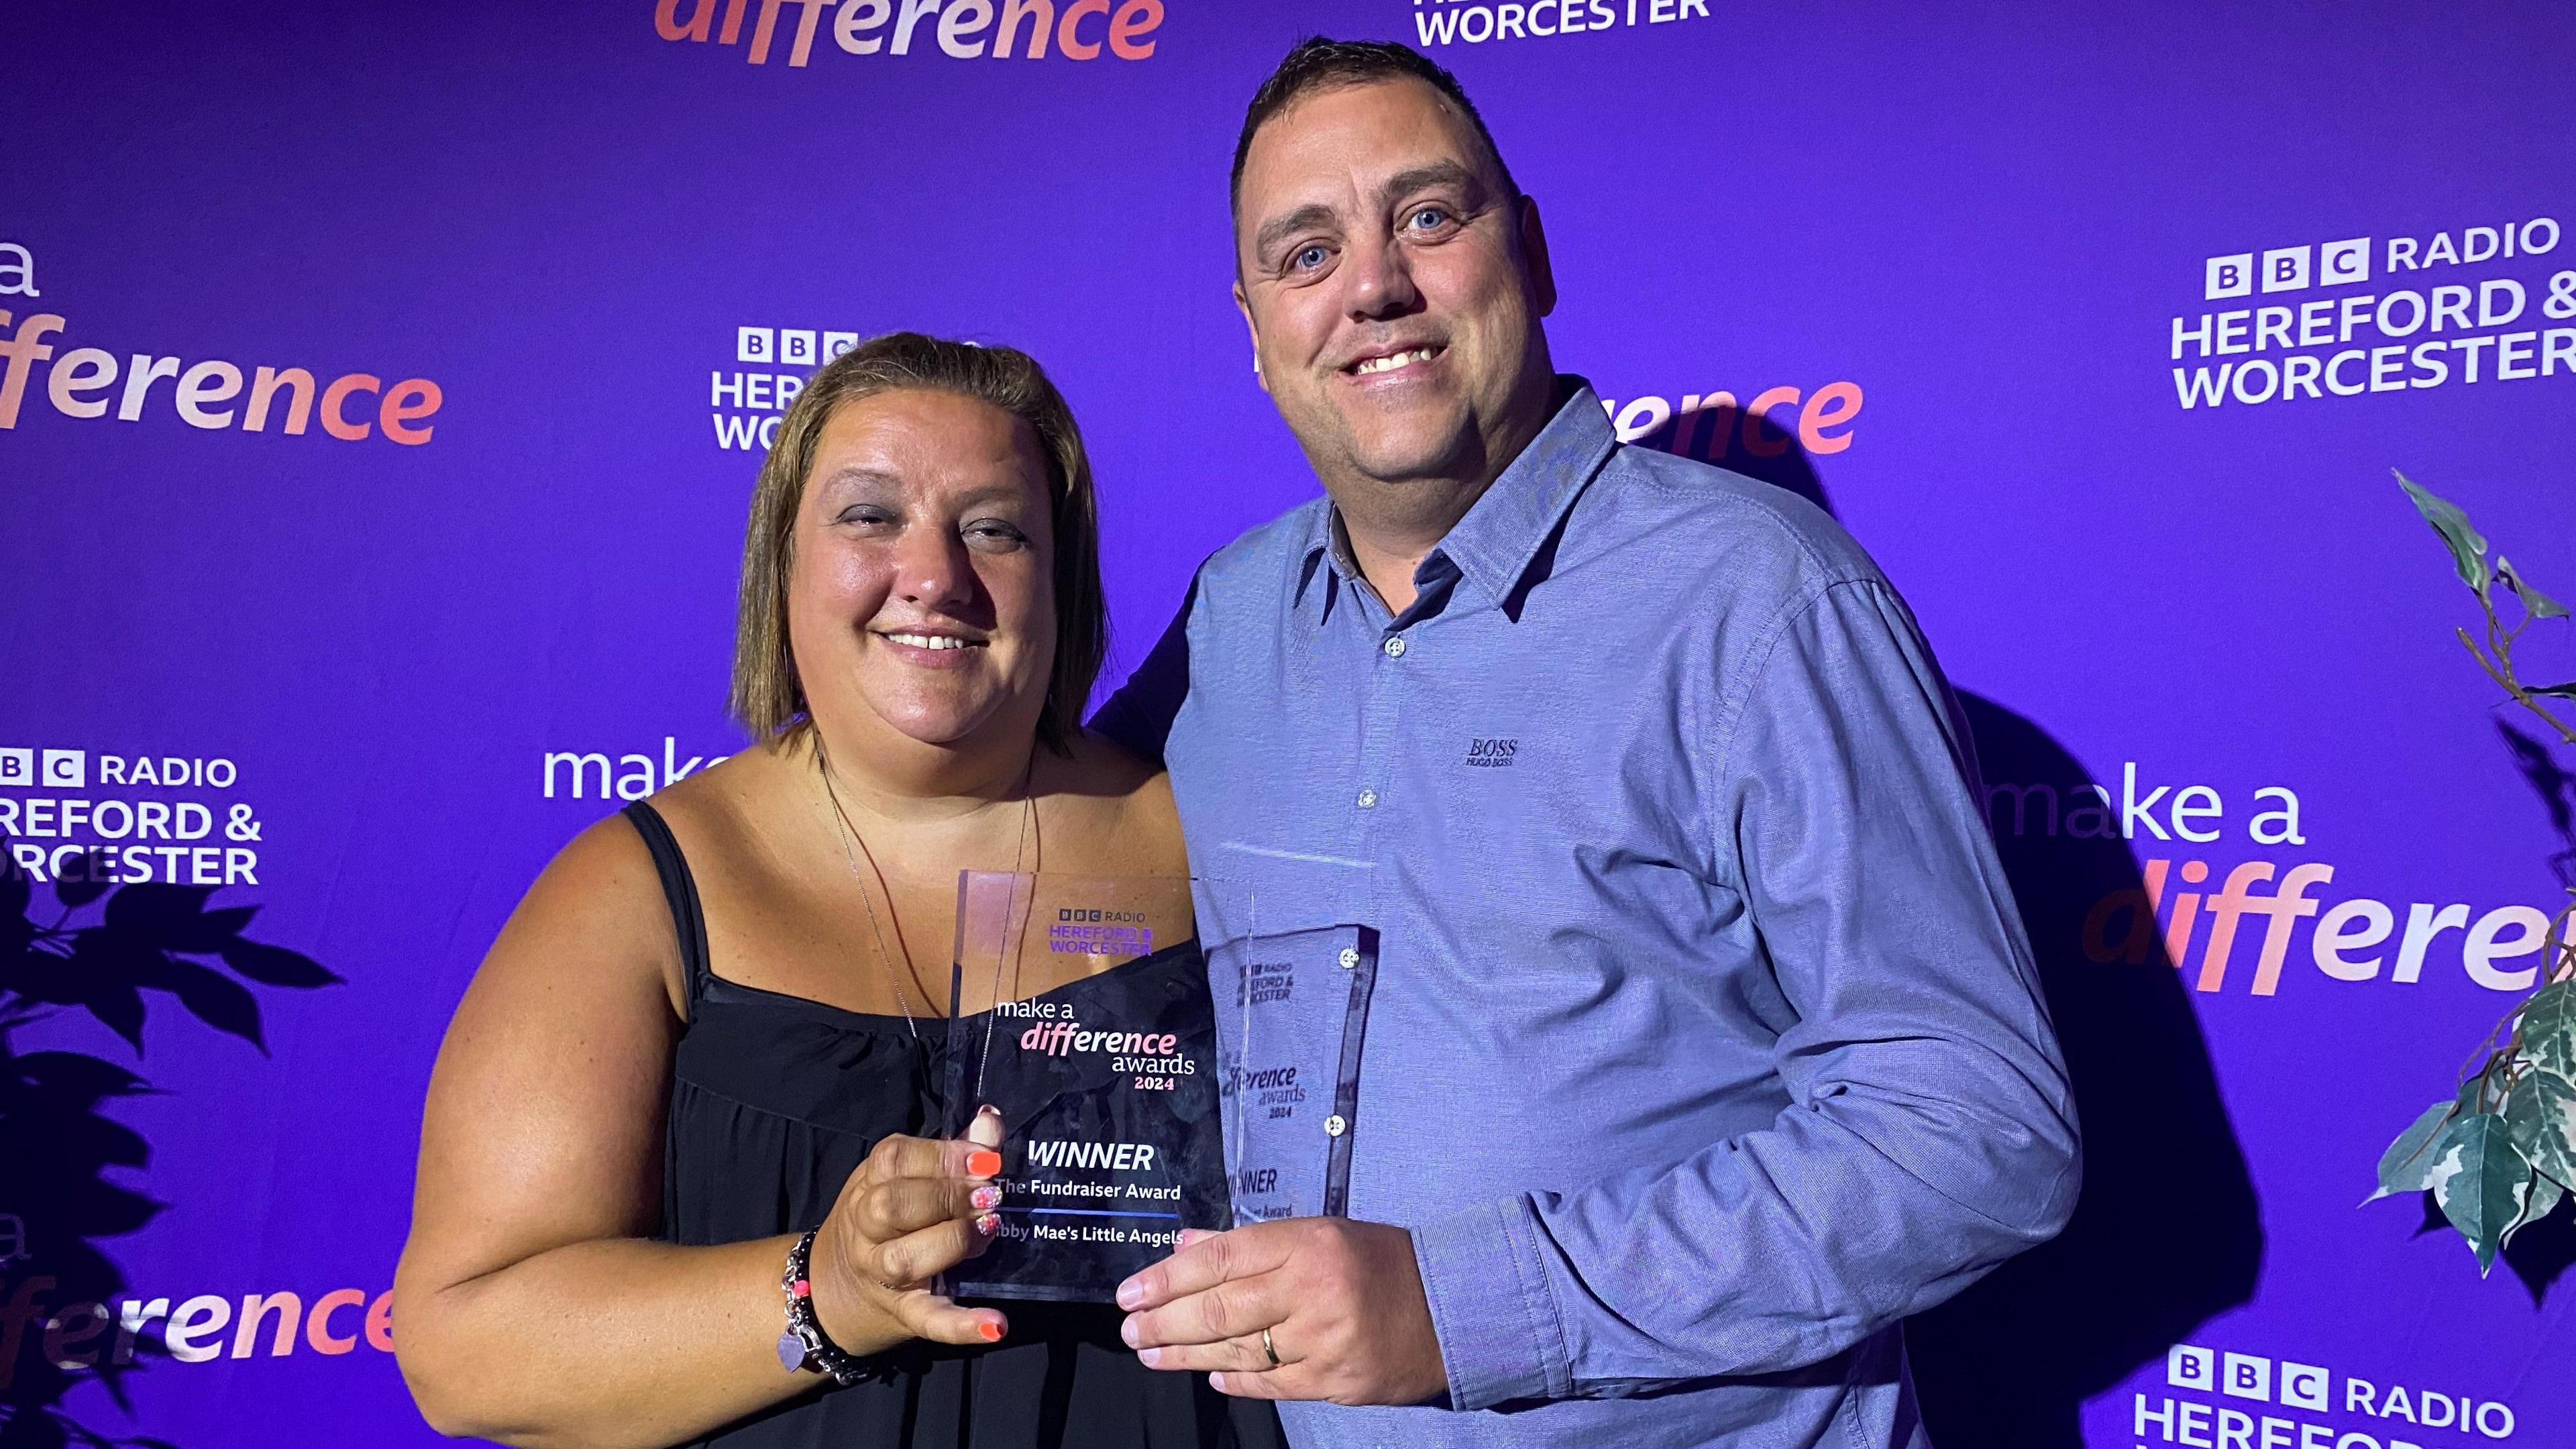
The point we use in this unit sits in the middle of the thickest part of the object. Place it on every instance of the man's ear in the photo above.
(1254, 332)
(1542, 275)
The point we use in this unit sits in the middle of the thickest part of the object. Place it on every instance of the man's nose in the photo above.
(932, 568)
(1381, 278)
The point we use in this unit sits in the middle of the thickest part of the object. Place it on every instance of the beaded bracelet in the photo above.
(804, 1346)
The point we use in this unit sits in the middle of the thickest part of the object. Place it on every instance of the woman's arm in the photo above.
(532, 1309)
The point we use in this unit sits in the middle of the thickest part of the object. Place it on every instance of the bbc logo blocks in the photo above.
(790, 346)
(2288, 269)
(23, 769)
(2245, 1376)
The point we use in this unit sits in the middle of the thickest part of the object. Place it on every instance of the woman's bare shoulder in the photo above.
(1129, 824)
(603, 888)
(716, 812)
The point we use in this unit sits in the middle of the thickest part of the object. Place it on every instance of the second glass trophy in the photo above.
(1080, 1011)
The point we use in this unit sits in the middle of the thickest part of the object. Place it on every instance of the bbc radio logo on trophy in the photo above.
(751, 397)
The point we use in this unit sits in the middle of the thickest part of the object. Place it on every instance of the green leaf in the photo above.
(2541, 605)
(2544, 1197)
(2549, 1029)
(2408, 1163)
(2468, 547)
(2480, 1182)
(2540, 1115)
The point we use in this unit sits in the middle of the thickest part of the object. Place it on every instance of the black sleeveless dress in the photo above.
(774, 1100)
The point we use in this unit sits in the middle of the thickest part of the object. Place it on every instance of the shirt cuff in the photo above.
(1491, 1306)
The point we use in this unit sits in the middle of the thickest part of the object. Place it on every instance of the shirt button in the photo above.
(1350, 957)
(1395, 647)
(1336, 1125)
(1368, 799)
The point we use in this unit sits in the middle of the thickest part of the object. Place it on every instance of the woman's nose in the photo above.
(931, 567)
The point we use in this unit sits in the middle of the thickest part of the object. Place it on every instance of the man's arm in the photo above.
(1139, 716)
(1930, 1133)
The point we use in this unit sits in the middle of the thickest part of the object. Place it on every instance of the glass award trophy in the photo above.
(1079, 1009)
(1292, 975)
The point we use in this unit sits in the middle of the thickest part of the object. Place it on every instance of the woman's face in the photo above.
(922, 589)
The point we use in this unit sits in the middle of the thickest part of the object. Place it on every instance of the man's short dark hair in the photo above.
(1318, 64)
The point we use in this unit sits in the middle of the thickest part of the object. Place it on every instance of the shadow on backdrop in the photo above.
(60, 1196)
(2540, 1252)
(2167, 1232)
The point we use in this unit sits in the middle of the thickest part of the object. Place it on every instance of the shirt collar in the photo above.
(1493, 545)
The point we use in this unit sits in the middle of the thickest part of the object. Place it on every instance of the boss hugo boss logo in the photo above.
(1490, 754)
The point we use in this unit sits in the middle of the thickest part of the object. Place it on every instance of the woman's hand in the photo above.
(913, 1209)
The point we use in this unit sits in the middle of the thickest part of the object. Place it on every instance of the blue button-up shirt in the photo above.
(1636, 941)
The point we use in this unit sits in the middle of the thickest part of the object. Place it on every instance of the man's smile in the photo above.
(1374, 364)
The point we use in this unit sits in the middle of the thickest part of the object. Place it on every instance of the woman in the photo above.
(715, 1023)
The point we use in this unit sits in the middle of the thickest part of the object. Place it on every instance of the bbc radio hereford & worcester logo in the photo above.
(2480, 305)
(769, 365)
(78, 815)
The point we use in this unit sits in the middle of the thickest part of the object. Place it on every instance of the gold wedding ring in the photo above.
(1269, 1350)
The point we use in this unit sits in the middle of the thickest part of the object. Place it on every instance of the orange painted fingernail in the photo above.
(992, 1331)
(983, 1162)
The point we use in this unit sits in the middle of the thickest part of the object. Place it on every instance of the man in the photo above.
(1683, 1039)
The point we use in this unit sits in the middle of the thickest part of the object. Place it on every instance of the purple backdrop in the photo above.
(543, 265)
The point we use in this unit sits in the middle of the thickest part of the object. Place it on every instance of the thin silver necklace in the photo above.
(849, 833)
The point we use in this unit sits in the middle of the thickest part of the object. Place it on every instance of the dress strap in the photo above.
(681, 890)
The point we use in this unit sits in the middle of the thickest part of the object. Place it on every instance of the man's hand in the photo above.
(1342, 1301)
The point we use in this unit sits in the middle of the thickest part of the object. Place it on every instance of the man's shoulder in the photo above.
(1264, 557)
(1741, 526)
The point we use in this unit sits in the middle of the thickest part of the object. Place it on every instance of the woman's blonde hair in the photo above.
(767, 696)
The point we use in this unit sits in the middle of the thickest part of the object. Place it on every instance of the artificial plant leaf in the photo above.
(2549, 1029)
(2480, 1182)
(2408, 1163)
(2468, 547)
(2544, 1199)
(2540, 1113)
(2541, 605)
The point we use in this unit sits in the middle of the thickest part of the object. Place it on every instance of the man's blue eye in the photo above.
(1435, 215)
(1308, 257)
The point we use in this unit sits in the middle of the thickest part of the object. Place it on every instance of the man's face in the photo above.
(1393, 288)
